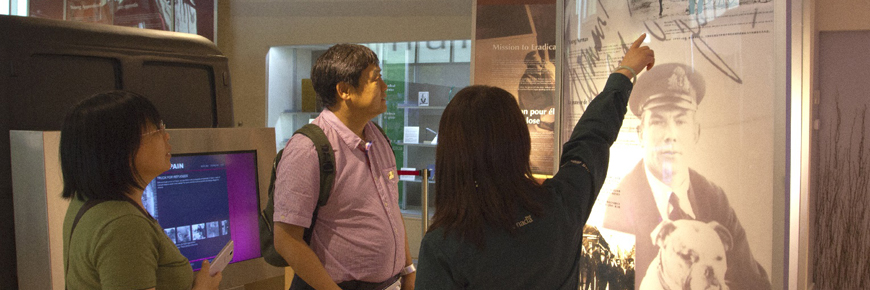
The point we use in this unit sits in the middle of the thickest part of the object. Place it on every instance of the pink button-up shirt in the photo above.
(359, 233)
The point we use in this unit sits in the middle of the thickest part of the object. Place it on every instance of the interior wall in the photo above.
(248, 28)
(281, 67)
(303, 71)
(842, 15)
(842, 207)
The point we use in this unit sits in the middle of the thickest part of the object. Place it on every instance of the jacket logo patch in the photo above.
(525, 221)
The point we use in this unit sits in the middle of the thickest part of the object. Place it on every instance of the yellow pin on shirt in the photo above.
(391, 175)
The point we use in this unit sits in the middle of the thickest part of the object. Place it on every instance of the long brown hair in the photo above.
(482, 161)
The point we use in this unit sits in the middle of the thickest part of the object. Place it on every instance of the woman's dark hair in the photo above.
(340, 63)
(98, 144)
(482, 159)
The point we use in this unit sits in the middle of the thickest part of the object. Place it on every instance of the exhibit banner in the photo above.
(688, 198)
(515, 49)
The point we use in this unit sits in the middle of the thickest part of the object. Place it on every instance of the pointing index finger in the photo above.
(639, 41)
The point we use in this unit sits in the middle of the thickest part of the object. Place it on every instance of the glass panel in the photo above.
(462, 50)
(398, 52)
(395, 71)
(22, 8)
(4, 7)
(434, 51)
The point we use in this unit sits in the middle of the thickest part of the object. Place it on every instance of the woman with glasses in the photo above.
(495, 227)
(111, 146)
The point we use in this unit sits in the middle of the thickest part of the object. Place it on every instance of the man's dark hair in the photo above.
(98, 144)
(340, 63)
(484, 176)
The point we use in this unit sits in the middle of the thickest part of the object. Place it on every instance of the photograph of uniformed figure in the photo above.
(687, 235)
(183, 234)
(604, 266)
(199, 232)
(214, 229)
(537, 89)
(170, 232)
(225, 227)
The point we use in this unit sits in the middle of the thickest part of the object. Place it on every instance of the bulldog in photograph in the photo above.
(691, 256)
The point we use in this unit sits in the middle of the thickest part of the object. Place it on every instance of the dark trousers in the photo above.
(299, 284)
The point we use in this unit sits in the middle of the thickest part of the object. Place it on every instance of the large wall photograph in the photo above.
(688, 200)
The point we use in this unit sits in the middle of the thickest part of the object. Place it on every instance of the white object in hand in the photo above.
(222, 259)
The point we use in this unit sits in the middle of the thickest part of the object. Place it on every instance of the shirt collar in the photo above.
(662, 193)
(348, 137)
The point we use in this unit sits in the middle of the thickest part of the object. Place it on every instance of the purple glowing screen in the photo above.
(205, 200)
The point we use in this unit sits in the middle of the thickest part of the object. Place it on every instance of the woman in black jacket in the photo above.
(495, 227)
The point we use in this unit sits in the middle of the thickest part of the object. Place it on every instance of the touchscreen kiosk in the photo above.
(206, 200)
(211, 194)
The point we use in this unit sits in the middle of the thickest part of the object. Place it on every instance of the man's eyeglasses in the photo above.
(160, 128)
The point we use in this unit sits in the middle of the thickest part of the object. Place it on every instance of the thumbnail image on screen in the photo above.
(206, 200)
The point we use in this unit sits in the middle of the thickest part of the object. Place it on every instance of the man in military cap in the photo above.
(663, 187)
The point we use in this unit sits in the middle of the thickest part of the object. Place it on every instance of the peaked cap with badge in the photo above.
(672, 84)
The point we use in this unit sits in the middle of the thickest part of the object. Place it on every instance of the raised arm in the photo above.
(637, 58)
(598, 127)
(587, 151)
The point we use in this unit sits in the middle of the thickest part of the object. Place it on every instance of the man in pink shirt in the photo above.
(359, 240)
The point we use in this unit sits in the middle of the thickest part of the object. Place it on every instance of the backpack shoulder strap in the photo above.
(266, 222)
(82, 210)
(327, 171)
(326, 158)
(274, 174)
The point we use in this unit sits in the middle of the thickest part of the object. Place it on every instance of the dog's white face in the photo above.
(692, 254)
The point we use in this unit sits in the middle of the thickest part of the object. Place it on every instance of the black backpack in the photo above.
(327, 176)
